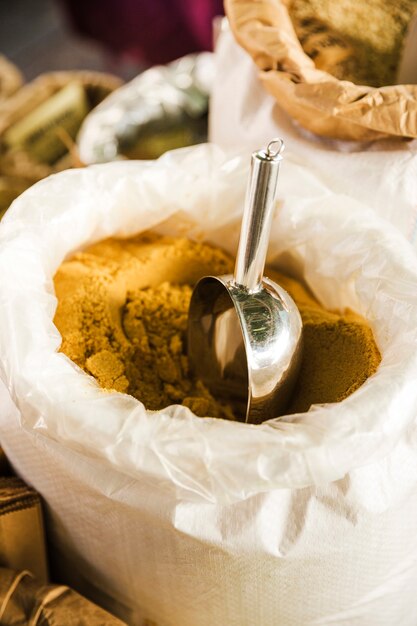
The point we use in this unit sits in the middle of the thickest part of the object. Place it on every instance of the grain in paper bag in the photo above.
(317, 100)
(379, 175)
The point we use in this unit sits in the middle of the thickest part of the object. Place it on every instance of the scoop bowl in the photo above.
(245, 347)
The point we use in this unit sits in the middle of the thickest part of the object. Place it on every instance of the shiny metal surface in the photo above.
(161, 106)
(258, 215)
(245, 331)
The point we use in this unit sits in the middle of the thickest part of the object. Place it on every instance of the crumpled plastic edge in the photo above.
(351, 258)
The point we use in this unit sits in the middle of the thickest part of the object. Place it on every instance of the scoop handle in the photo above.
(257, 216)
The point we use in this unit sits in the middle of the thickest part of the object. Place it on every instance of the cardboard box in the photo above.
(22, 540)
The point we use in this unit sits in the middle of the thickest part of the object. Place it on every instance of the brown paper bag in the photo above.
(26, 602)
(315, 99)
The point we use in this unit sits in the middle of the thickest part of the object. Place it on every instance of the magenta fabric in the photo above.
(150, 31)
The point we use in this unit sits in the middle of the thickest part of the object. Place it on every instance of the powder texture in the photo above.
(339, 351)
(155, 321)
(122, 313)
(354, 40)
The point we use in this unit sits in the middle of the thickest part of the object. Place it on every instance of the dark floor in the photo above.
(35, 35)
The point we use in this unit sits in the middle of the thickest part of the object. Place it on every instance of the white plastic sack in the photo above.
(382, 174)
(195, 522)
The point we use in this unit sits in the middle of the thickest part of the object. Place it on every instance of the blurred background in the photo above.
(62, 67)
(118, 36)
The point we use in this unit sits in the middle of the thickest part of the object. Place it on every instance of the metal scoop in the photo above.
(244, 331)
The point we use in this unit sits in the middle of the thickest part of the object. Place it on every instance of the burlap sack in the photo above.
(10, 78)
(315, 99)
(17, 163)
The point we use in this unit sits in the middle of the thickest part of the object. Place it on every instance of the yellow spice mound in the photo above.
(122, 313)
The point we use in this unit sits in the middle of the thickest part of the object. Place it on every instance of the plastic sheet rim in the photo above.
(351, 258)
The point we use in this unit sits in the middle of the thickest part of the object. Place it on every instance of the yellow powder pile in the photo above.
(339, 351)
(122, 313)
(354, 40)
(154, 321)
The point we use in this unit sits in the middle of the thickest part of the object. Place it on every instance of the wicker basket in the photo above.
(17, 165)
(10, 78)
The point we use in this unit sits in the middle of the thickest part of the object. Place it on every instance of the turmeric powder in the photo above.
(339, 351)
(122, 313)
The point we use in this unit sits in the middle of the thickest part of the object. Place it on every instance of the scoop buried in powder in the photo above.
(122, 314)
(244, 331)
